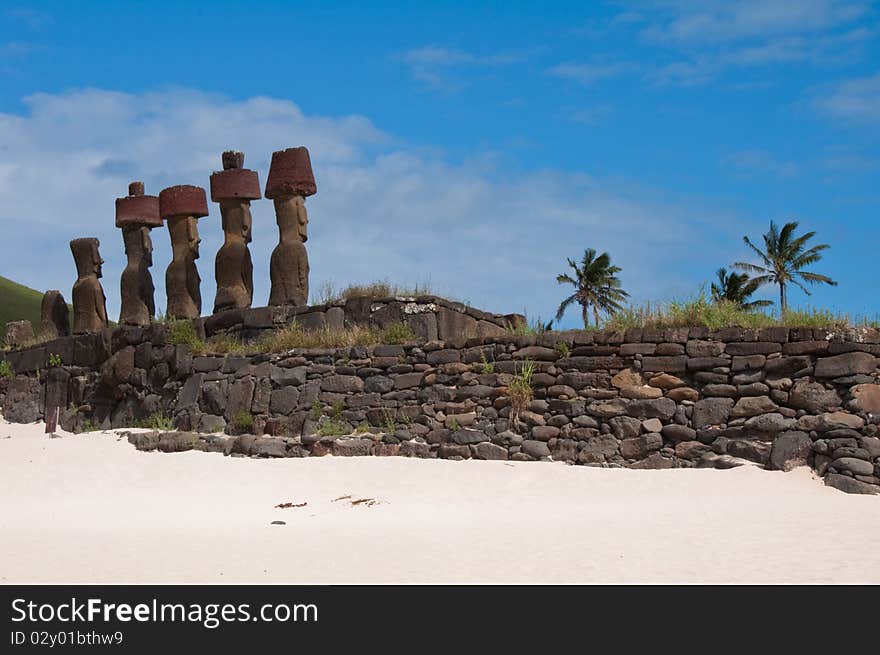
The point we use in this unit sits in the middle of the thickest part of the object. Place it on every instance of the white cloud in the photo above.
(856, 100)
(431, 65)
(711, 22)
(382, 210)
(757, 161)
(589, 73)
(705, 39)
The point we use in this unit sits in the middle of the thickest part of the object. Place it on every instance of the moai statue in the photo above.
(54, 316)
(234, 187)
(89, 303)
(136, 215)
(181, 206)
(290, 182)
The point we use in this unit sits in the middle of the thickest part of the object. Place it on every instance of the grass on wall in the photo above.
(328, 293)
(183, 332)
(702, 312)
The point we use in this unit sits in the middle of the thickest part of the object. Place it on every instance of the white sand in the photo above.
(91, 508)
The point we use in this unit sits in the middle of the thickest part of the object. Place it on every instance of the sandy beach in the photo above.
(91, 509)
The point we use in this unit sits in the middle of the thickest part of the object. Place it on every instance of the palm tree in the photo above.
(737, 288)
(783, 259)
(596, 284)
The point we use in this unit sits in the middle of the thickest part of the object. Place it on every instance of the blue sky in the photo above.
(472, 148)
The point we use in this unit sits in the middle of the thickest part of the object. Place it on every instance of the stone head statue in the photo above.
(181, 207)
(136, 215)
(87, 258)
(289, 183)
(234, 188)
(54, 318)
(89, 302)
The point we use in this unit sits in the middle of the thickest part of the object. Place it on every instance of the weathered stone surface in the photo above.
(711, 411)
(210, 423)
(683, 393)
(706, 363)
(468, 436)
(782, 367)
(747, 362)
(545, 432)
(654, 461)
(537, 353)
(22, 402)
(486, 450)
(597, 448)
(849, 485)
(639, 447)
(790, 449)
(19, 333)
(672, 364)
(696, 348)
(283, 376)
(415, 449)
(662, 408)
(813, 396)
(607, 408)
(284, 400)
(750, 449)
(351, 447)
(408, 380)
(119, 368)
(536, 449)
(625, 427)
(836, 420)
(678, 433)
(720, 390)
(846, 364)
(805, 348)
(866, 398)
(666, 381)
(691, 450)
(853, 465)
(626, 378)
(641, 392)
(342, 384)
(652, 425)
(752, 406)
(753, 348)
(455, 326)
(241, 395)
(771, 423)
(872, 445)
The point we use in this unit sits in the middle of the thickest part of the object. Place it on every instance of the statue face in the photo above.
(302, 218)
(96, 260)
(192, 232)
(148, 246)
(246, 225)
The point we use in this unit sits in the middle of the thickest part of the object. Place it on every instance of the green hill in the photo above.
(18, 303)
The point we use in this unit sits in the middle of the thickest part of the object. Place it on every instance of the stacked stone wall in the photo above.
(683, 397)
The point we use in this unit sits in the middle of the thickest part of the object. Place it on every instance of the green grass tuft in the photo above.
(156, 421)
(701, 311)
(243, 421)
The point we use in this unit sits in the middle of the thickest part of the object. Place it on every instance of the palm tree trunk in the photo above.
(585, 315)
(783, 306)
(596, 314)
